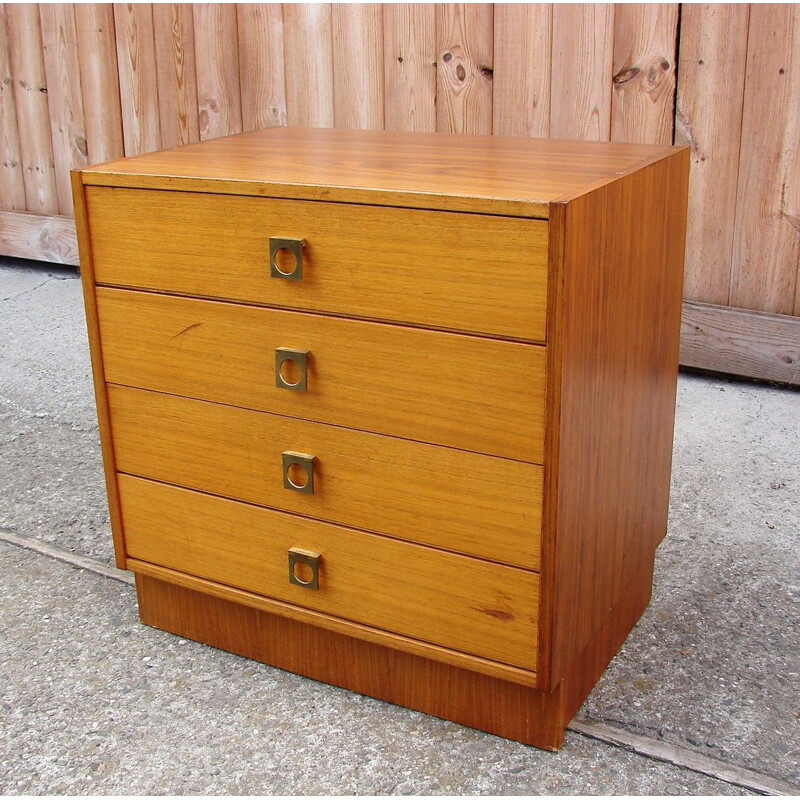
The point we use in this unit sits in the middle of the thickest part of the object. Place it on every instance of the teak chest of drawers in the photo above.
(393, 411)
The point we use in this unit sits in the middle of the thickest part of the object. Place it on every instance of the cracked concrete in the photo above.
(93, 702)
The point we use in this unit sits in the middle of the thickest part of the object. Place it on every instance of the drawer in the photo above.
(459, 391)
(466, 272)
(466, 604)
(470, 503)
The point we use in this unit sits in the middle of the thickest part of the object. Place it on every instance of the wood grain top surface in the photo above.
(488, 174)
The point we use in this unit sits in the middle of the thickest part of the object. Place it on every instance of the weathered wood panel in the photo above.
(465, 44)
(138, 86)
(767, 238)
(308, 60)
(97, 52)
(522, 51)
(358, 65)
(39, 237)
(709, 119)
(642, 102)
(62, 70)
(12, 187)
(30, 99)
(217, 61)
(409, 42)
(751, 343)
(173, 28)
(261, 69)
(580, 87)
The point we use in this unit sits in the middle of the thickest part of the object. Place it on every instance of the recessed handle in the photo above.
(295, 247)
(298, 471)
(304, 568)
(290, 365)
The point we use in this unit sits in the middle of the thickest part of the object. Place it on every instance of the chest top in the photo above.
(484, 174)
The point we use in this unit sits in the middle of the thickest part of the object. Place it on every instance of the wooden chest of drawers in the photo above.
(393, 411)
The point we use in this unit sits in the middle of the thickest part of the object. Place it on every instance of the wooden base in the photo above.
(38, 237)
(734, 341)
(478, 701)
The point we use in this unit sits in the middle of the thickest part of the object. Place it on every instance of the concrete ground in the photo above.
(92, 702)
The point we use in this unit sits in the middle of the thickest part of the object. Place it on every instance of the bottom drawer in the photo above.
(462, 603)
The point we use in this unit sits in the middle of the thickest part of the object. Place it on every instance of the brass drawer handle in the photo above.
(302, 463)
(304, 568)
(294, 246)
(285, 358)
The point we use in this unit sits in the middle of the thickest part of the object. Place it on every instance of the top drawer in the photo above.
(465, 272)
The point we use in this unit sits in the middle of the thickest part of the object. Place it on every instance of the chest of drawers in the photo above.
(393, 411)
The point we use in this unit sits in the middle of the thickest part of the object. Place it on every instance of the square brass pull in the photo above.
(304, 568)
(305, 466)
(297, 357)
(294, 246)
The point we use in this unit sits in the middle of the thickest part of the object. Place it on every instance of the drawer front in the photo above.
(466, 272)
(461, 603)
(466, 502)
(459, 391)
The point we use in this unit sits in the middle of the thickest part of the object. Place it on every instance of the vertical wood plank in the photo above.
(33, 115)
(175, 68)
(465, 49)
(12, 186)
(308, 60)
(767, 236)
(580, 94)
(522, 52)
(138, 85)
(358, 65)
(643, 93)
(713, 53)
(97, 51)
(409, 46)
(262, 73)
(217, 60)
(62, 69)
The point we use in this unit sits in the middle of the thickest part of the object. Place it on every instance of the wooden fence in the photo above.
(86, 83)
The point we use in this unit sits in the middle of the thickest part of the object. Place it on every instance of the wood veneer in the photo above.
(420, 492)
(484, 565)
(379, 378)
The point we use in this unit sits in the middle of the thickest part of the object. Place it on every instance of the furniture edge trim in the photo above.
(473, 204)
(552, 434)
(741, 342)
(355, 630)
(39, 237)
(98, 371)
(667, 152)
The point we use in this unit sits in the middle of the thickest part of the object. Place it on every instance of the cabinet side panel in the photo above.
(98, 373)
(619, 329)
